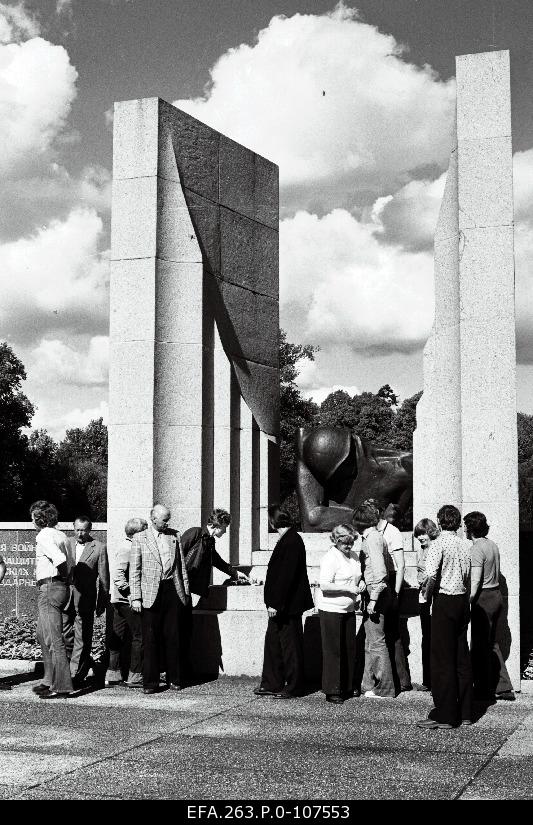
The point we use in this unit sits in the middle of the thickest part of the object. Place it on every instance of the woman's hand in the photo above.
(272, 612)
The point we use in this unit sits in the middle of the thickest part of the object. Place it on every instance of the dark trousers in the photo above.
(490, 673)
(451, 669)
(338, 632)
(283, 660)
(395, 643)
(51, 601)
(161, 635)
(425, 625)
(186, 642)
(126, 628)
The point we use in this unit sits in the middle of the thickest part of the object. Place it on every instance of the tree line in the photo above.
(73, 471)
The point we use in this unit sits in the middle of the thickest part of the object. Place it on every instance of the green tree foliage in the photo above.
(295, 411)
(16, 412)
(82, 458)
(370, 415)
(405, 423)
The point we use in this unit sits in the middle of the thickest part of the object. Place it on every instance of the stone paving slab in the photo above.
(218, 741)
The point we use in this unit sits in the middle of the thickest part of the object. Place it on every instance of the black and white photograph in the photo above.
(266, 403)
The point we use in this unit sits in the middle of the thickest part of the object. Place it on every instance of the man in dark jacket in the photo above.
(89, 594)
(287, 597)
(201, 556)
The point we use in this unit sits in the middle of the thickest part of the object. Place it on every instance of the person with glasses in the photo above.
(340, 588)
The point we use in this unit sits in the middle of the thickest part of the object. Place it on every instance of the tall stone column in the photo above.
(194, 276)
(466, 437)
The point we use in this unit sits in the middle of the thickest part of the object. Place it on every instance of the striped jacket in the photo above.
(146, 570)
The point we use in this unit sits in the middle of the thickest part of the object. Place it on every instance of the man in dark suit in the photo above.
(287, 597)
(89, 594)
(159, 591)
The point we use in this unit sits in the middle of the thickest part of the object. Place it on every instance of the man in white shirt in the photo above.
(52, 563)
(395, 560)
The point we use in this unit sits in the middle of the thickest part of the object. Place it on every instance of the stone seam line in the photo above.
(113, 755)
(489, 759)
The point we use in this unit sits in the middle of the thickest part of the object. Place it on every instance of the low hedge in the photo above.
(18, 638)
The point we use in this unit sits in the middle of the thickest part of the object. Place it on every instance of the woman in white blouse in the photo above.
(340, 587)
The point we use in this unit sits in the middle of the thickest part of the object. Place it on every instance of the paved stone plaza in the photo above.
(218, 741)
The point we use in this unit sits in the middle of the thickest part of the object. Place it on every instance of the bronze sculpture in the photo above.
(336, 470)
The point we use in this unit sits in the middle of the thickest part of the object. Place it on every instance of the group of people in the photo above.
(157, 572)
(364, 569)
(148, 599)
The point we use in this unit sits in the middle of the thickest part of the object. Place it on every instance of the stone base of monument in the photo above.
(229, 630)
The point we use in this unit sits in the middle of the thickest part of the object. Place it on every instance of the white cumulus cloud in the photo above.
(16, 23)
(54, 360)
(333, 101)
(37, 87)
(55, 279)
(341, 287)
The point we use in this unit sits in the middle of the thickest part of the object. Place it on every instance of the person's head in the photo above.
(135, 525)
(391, 513)
(43, 514)
(218, 521)
(343, 537)
(82, 529)
(279, 519)
(476, 525)
(366, 515)
(426, 531)
(160, 516)
(449, 518)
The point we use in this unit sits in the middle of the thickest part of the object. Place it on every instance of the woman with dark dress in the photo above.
(287, 597)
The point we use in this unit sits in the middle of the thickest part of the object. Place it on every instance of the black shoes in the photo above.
(430, 724)
(40, 689)
(172, 686)
(506, 696)
(151, 690)
(335, 700)
(261, 691)
(56, 694)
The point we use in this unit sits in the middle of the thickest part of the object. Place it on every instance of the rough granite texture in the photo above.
(465, 444)
(194, 275)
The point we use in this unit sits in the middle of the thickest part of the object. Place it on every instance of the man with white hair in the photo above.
(159, 591)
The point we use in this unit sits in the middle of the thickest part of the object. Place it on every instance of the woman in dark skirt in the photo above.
(287, 597)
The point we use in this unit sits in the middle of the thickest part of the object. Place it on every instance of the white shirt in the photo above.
(452, 555)
(393, 542)
(339, 569)
(51, 550)
(79, 551)
(163, 545)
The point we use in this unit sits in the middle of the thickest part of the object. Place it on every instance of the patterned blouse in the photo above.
(455, 555)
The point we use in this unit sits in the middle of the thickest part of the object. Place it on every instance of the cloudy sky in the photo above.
(354, 102)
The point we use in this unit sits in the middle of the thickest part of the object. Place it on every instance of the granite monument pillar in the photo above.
(194, 382)
(465, 444)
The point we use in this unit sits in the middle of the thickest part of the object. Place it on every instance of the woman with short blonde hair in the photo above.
(340, 586)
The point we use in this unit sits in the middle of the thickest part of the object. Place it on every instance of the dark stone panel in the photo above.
(249, 253)
(205, 216)
(18, 591)
(255, 321)
(248, 183)
(196, 149)
(259, 387)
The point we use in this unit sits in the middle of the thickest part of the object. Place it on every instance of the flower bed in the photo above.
(18, 638)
